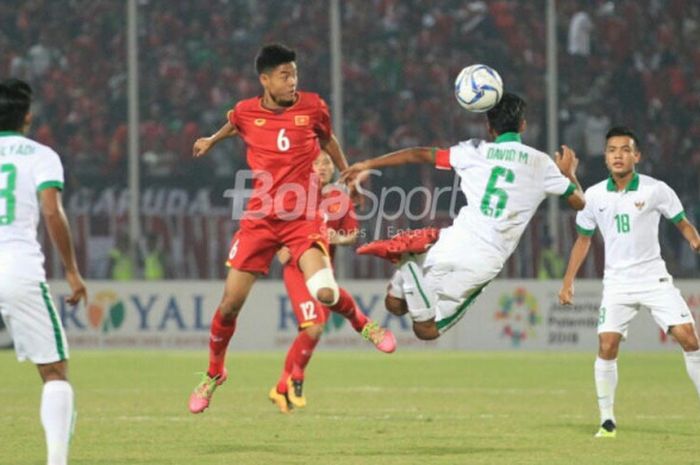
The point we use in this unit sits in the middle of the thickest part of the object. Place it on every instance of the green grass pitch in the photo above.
(364, 408)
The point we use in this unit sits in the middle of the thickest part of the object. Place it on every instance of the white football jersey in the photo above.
(504, 182)
(26, 168)
(629, 223)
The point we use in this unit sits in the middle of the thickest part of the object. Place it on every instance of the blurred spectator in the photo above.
(595, 127)
(121, 265)
(154, 260)
(580, 28)
(551, 265)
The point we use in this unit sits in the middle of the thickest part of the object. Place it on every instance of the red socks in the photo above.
(298, 357)
(347, 307)
(303, 346)
(219, 337)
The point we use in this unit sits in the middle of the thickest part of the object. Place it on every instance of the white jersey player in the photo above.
(31, 179)
(504, 182)
(626, 208)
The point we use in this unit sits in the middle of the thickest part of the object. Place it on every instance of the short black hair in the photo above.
(624, 131)
(508, 114)
(15, 100)
(271, 56)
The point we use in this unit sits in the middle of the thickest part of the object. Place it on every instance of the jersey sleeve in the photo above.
(48, 171)
(554, 182)
(442, 158)
(669, 204)
(231, 117)
(323, 126)
(458, 156)
(585, 219)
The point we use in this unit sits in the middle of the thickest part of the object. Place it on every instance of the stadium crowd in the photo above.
(620, 62)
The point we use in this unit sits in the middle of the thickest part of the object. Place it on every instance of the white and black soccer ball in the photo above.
(478, 88)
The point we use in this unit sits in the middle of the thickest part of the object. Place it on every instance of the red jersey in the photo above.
(338, 213)
(281, 148)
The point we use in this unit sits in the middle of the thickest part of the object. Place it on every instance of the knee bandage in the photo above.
(323, 279)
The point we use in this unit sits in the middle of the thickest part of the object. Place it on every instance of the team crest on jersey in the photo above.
(260, 121)
(639, 205)
(301, 120)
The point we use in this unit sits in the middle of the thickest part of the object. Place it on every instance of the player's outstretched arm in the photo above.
(59, 231)
(567, 162)
(333, 148)
(690, 233)
(204, 144)
(400, 157)
(578, 254)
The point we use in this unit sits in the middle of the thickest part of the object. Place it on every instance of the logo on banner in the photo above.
(519, 314)
(106, 312)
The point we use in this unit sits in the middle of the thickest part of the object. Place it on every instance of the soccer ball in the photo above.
(478, 88)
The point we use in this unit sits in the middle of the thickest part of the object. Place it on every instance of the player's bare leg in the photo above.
(688, 339)
(426, 330)
(609, 345)
(223, 325)
(57, 411)
(395, 306)
(686, 336)
(605, 370)
(318, 273)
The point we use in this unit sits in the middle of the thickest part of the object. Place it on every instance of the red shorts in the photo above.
(307, 310)
(254, 245)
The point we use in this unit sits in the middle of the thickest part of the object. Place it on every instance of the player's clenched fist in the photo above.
(201, 146)
(566, 295)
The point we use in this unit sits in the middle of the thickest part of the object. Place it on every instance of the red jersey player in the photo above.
(343, 229)
(284, 130)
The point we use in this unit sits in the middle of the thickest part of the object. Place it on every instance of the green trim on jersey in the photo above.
(633, 185)
(420, 289)
(569, 190)
(584, 231)
(448, 322)
(54, 321)
(46, 184)
(508, 137)
(10, 133)
(678, 218)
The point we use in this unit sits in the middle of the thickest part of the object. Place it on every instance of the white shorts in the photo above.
(664, 302)
(453, 291)
(32, 321)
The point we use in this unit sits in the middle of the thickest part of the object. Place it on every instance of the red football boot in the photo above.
(417, 240)
(409, 241)
(385, 248)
